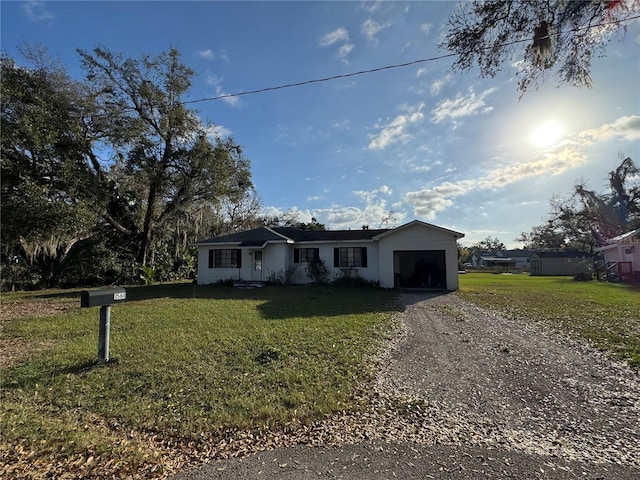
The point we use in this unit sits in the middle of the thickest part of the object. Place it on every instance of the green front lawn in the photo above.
(188, 364)
(605, 314)
(196, 368)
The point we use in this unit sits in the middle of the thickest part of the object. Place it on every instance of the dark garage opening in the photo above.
(420, 269)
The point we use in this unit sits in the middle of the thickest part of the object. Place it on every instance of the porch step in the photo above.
(248, 284)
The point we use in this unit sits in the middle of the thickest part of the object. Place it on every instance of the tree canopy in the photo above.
(537, 37)
(111, 176)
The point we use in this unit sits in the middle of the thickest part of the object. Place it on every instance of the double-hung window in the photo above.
(306, 255)
(346, 257)
(225, 258)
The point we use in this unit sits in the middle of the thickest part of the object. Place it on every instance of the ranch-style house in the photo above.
(413, 255)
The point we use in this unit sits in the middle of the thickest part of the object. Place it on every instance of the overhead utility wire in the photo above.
(387, 67)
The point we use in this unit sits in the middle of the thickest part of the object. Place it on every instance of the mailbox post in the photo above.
(103, 298)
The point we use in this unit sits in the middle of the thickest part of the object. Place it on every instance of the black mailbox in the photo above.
(102, 297)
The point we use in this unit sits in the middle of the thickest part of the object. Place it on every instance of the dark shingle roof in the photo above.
(565, 254)
(517, 253)
(255, 237)
(298, 235)
(258, 236)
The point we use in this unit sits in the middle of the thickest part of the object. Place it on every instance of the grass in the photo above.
(605, 314)
(187, 362)
(196, 366)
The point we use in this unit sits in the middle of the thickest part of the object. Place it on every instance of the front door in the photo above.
(256, 273)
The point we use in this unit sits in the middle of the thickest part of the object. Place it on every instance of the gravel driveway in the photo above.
(464, 393)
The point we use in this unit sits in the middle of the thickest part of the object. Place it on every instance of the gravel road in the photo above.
(465, 393)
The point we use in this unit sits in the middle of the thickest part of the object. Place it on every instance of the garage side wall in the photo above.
(417, 237)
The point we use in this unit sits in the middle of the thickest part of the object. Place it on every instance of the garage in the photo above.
(420, 269)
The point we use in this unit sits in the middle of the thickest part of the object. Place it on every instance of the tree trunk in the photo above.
(147, 231)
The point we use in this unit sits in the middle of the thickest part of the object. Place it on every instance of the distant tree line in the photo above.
(110, 179)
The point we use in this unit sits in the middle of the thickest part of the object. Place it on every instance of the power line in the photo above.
(390, 67)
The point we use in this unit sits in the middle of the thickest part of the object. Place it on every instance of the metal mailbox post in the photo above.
(103, 298)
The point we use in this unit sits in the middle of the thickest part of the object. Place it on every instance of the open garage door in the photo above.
(420, 269)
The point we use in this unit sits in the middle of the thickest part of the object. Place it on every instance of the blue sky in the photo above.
(421, 142)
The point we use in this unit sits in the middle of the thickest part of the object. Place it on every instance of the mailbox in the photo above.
(105, 296)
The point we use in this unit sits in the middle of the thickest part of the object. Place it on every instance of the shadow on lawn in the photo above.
(282, 302)
(279, 302)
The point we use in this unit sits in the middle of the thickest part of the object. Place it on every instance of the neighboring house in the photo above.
(520, 258)
(503, 259)
(622, 256)
(570, 262)
(474, 260)
(416, 254)
(496, 263)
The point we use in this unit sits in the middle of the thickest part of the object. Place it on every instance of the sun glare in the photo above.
(547, 134)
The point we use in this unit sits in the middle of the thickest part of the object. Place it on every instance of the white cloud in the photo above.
(338, 35)
(206, 54)
(371, 196)
(419, 168)
(395, 130)
(421, 72)
(439, 84)
(344, 50)
(216, 82)
(426, 27)
(37, 11)
(342, 124)
(218, 131)
(370, 28)
(293, 213)
(427, 202)
(462, 106)
(370, 6)
(625, 128)
(373, 215)
(372, 210)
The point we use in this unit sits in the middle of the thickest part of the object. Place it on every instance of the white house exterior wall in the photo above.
(325, 251)
(275, 259)
(208, 275)
(616, 254)
(417, 237)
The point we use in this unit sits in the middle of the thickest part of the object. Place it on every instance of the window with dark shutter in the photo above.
(306, 255)
(346, 257)
(225, 258)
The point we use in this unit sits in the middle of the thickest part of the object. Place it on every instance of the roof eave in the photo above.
(456, 235)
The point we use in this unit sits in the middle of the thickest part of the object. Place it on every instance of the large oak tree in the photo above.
(111, 174)
(168, 159)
